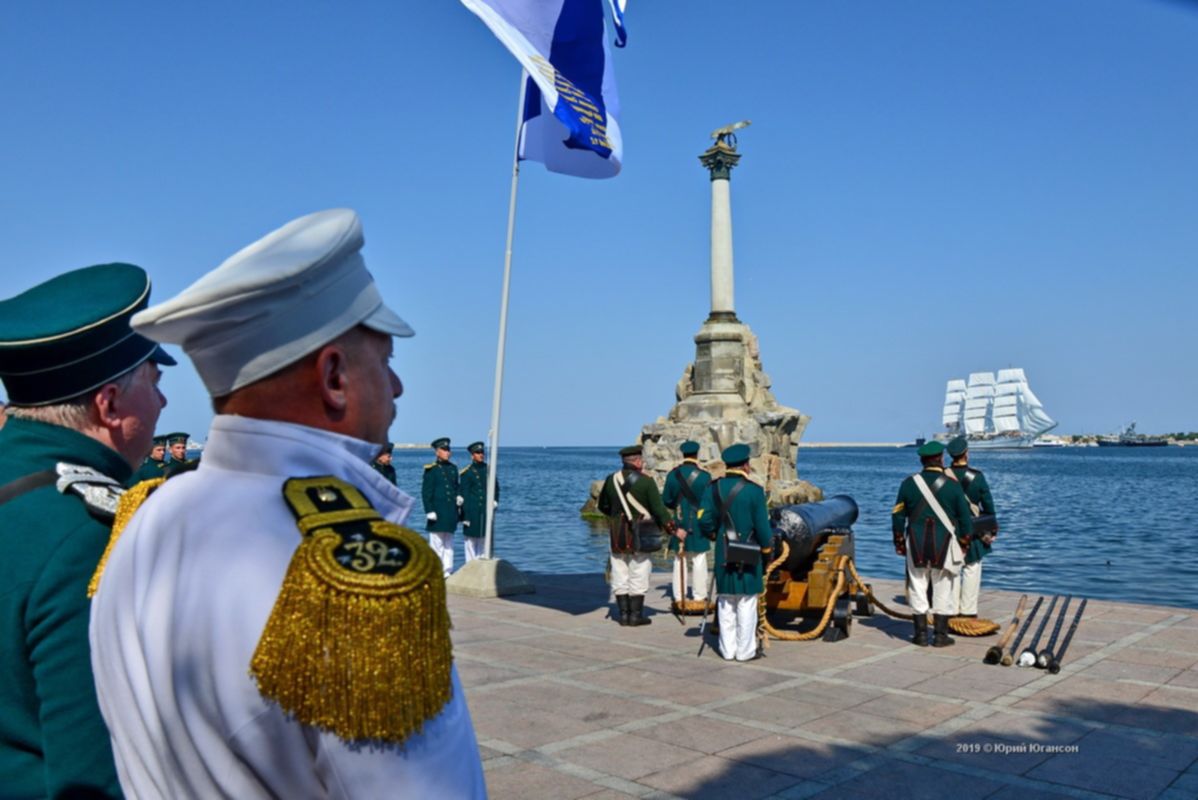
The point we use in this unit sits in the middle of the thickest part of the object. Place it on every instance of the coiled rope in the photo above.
(845, 568)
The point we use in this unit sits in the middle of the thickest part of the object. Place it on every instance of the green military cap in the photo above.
(932, 448)
(689, 448)
(177, 438)
(476, 447)
(735, 455)
(387, 447)
(630, 450)
(160, 441)
(957, 446)
(441, 444)
(71, 334)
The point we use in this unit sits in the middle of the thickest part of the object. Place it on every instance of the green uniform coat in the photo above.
(977, 491)
(51, 733)
(148, 471)
(929, 550)
(440, 495)
(472, 484)
(386, 470)
(686, 514)
(752, 521)
(644, 489)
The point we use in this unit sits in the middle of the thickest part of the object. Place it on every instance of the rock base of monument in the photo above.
(488, 577)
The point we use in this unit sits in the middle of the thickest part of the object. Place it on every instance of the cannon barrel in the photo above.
(801, 526)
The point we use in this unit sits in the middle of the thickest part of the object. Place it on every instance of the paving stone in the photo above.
(528, 727)
(475, 674)
(1187, 678)
(903, 781)
(853, 726)
(637, 681)
(1172, 752)
(910, 709)
(777, 710)
(960, 688)
(1028, 728)
(883, 675)
(535, 782)
(1097, 771)
(703, 734)
(1156, 657)
(840, 696)
(1123, 670)
(716, 778)
(628, 756)
(788, 754)
(984, 751)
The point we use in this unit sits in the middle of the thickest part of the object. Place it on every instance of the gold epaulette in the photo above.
(430, 466)
(357, 643)
(130, 501)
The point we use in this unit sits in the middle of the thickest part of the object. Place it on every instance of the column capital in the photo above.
(719, 159)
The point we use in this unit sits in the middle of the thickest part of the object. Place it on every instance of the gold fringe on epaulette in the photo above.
(362, 655)
(130, 501)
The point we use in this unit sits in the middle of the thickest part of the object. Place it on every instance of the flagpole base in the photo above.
(488, 577)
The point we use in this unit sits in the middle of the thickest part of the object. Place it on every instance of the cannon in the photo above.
(804, 583)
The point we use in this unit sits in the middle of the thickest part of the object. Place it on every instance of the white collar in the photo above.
(271, 447)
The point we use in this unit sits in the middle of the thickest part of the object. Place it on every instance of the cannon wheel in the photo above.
(842, 620)
(864, 607)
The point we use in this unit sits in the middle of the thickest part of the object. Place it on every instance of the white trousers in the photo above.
(696, 575)
(738, 626)
(969, 582)
(630, 573)
(476, 547)
(442, 544)
(944, 599)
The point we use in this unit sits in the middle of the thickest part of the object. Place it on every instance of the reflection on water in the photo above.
(1108, 523)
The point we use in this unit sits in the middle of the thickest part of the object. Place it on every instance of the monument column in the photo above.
(719, 159)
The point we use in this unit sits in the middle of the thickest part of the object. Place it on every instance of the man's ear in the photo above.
(332, 370)
(106, 402)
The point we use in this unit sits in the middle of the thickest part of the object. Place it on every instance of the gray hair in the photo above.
(74, 412)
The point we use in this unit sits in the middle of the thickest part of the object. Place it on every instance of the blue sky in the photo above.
(927, 189)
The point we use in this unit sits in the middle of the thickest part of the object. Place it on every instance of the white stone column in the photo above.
(722, 299)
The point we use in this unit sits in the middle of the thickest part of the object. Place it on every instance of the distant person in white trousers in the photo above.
(733, 512)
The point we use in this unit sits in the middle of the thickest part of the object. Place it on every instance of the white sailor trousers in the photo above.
(738, 626)
(944, 598)
(442, 544)
(970, 584)
(474, 546)
(630, 573)
(696, 575)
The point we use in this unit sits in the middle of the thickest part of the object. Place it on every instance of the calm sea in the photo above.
(1100, 522)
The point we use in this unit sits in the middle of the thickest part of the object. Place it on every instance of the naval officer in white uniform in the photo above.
(203, 625)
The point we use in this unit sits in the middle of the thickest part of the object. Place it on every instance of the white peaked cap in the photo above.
(274, 302)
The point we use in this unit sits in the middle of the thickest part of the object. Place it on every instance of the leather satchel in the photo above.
(633, 531)
(742, 555)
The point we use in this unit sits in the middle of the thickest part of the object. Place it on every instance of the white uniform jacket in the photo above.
(181, 606)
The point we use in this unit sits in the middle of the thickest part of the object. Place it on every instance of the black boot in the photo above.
(624, 609)
(921, 630)
(637, 607)
(941, 639)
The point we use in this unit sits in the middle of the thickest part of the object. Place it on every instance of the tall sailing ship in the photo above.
(994, 412)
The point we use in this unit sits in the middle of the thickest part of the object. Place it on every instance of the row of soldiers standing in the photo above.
(156, 463)
(933, 526)
(694, 512)
(451, 496)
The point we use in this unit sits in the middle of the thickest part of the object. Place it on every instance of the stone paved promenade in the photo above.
(569, 705)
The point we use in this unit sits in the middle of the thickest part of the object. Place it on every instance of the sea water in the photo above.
(1114, 523)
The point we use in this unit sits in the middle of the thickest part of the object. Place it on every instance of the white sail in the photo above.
(999, 410)
(954, 404)
(1035, 419)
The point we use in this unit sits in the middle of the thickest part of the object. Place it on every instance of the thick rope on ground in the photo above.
(815, 633)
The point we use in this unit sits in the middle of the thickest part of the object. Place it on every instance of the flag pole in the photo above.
(493, 433)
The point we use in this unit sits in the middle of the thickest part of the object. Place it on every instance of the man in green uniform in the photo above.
(82, 403)
(155, 464)
(630, 500)
(176, 446)
(683, 494)
(440, 494)
(472, 483)
(734, 514)
(930, 513)
(977, 492)
(382, 464)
